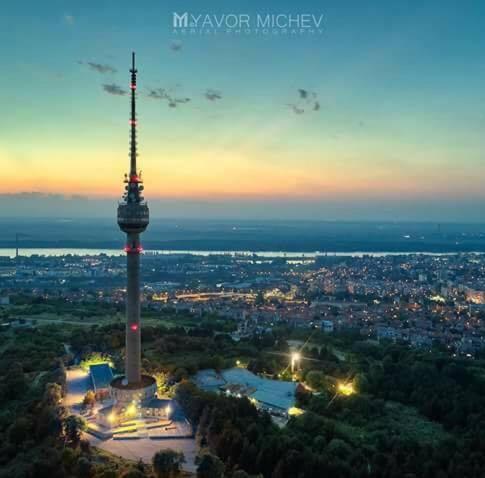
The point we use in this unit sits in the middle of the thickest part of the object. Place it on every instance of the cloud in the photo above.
(175, 45)
(99, 67)
(176, 101)
(157, 94)
(303, 93)
(163, 94)
(213, 95)
(113, 89)
(15, 207)
(307, 101)
(69, 19)
(296, 109)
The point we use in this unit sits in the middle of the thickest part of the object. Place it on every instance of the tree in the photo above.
(49, 463)
(49, 421)
(180, 374)
(19, 431)
(89, 399)
(162, 381)
(95, 358)
(85, 447)
(73, 426)
(15, 382)
(134, 473)
(210, 466)
(240, 474)
(85, 468)
(52, 394)
(69, 458)
(167, 463)
(338, 448)
(315, 379)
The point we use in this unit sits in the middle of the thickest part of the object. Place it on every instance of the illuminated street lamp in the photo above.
(346, 388)
(295, 412)
(131, 410)
(295, 357)
(112, 418)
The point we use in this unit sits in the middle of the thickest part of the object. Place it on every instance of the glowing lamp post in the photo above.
(112, 418)
(346, 388)
(295, 358)
(131, 410)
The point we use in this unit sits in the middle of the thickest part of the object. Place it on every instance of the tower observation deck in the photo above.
(133, 218)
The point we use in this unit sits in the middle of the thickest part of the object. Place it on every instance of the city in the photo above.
(335, 343)
(242, 241)
(423, 300)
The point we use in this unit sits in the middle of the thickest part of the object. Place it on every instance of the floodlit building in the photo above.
(275, 396)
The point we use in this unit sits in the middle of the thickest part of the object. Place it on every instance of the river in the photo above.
(28, 252)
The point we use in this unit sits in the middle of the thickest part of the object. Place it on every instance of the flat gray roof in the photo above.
(272, 393)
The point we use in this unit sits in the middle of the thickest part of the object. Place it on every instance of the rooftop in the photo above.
(145, 381)
(272, 393)
(101, 375)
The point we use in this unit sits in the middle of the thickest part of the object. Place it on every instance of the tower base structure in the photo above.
(133, 401)
(124, 392)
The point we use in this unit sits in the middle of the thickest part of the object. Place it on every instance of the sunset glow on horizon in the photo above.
(376, 108)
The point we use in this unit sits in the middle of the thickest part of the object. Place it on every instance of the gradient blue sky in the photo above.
(400, 127)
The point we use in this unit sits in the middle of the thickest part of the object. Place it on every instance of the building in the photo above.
(101, 376)
(133, 393)
(274, 396)
(327, 326)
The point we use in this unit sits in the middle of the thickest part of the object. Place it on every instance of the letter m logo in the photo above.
(180, 21)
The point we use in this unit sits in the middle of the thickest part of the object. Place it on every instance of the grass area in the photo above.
(49, 318)
(90, 313)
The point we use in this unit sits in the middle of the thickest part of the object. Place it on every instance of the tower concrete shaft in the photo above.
(133, 330)
(133, 219)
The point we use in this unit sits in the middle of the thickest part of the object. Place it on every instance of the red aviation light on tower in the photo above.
(134, 327)
(133, 250)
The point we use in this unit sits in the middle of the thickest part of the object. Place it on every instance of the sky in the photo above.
(379, 116)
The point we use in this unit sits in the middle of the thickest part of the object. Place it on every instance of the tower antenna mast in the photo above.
(133, 151)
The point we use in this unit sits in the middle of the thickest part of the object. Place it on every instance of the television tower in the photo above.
(133, 218)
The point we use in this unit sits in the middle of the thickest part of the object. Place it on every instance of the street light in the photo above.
(295, 357)
(131, 410)
(346, 388)
(112, 417)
